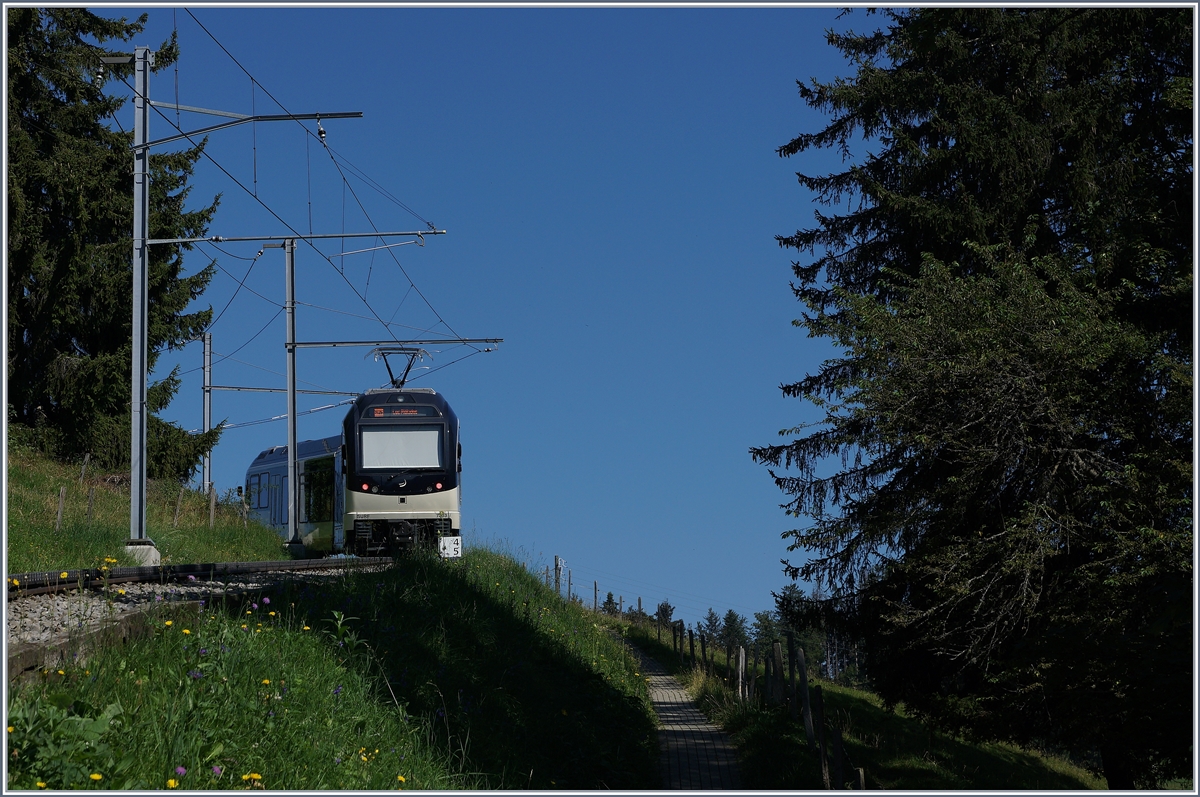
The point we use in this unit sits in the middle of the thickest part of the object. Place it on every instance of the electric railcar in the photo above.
(388, 482)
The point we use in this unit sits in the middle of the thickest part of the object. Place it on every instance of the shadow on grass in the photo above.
(502, 680)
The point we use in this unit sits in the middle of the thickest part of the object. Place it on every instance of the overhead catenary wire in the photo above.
(278, 218)
(239, 348)
(345, 181)
(284, 416)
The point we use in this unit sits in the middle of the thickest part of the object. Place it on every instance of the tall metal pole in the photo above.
(143, 59)
(207, 406)
(289, 250)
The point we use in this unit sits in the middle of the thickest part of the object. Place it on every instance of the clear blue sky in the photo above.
(609, 182)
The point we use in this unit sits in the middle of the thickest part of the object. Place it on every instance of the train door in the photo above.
(339, 503)
(278, 499)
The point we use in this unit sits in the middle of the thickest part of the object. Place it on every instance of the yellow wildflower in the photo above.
(400, 778)
(172, 783)
(168, 623)
(266, 682)
(96, 776)
(63, 574)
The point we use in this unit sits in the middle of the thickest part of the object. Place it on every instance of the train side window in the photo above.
(264, 495)
(252, 489)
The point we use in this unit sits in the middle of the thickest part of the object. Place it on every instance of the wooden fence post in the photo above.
(754, 673)
(681, 627)
(692, 646)
(777, 666)
(570, 586)
(862, 780)
(212, 506)
(91, 499)
(86, 457)
(547, 576)
(703, 654)
(820, 707)
(596, 599)
(245, 510)
(62, 496)
(768, 692)
(839, 754)
(793, 709)
(741, 672)
(805, 706)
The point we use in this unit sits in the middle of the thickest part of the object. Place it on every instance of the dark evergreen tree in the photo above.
(1010, 286)
(70, 216)
(711, 626)
(765, 629)
(609, 606)
(733, 630)
(665, 612)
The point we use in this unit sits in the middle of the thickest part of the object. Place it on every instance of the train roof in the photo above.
(415, 395)
(306, 448)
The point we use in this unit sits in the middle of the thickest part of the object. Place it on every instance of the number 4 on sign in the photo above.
(450, 547)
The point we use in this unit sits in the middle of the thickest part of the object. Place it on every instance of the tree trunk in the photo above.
(1116, 767)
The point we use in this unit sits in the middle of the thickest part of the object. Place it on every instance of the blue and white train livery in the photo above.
(388, 482)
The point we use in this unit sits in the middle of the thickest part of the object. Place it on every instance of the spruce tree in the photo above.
(1008, 277)
(70, 216)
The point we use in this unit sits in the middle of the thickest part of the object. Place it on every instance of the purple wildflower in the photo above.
(196, 674)
(216, 770)
(270, 713)
(266, 601)
(254, 606)
(338, 691)
(203, 651)
(191, 578)
(180, 771)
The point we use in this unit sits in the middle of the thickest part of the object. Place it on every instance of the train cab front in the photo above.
(402, 465)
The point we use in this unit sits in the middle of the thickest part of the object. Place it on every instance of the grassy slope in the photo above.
(32, 544)
(467, 674)
(894, 750)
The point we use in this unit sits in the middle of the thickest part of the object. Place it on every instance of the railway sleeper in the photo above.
(394, 537)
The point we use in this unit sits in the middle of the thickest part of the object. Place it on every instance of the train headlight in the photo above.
(375, 488)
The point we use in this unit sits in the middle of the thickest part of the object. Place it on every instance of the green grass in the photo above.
(33, 544)
(462, 674)
(894, 750)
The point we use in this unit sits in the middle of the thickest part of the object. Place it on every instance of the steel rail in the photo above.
(40, 583)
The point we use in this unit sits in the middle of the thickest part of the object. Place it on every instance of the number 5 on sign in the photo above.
(450, 547)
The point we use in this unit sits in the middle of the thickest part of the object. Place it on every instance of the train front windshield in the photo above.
(402, 447)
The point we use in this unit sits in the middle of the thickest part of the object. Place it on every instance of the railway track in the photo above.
(56, 615)
(23, 585)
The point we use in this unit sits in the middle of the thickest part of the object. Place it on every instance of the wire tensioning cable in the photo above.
(340, 172)
(277, 217)
(239, 348)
